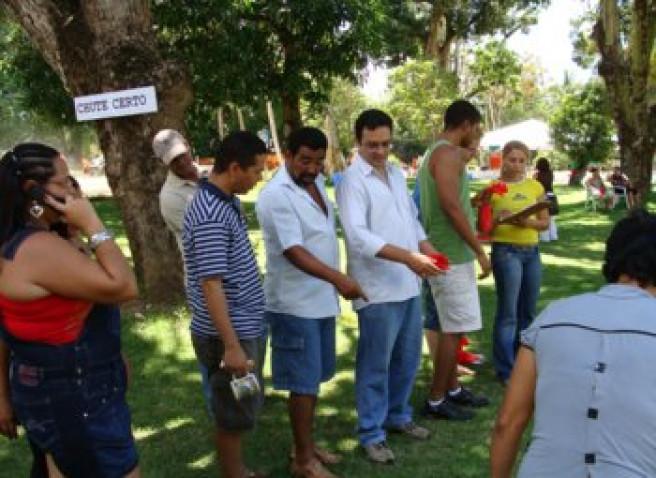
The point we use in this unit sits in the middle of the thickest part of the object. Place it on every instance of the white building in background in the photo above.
(534, 133)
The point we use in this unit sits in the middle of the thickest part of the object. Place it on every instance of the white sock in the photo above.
(455, 391)
(435, 403)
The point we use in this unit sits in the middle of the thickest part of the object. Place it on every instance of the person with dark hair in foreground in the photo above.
(67, 379)
(584, 372)
(301, 285)
(225, 294)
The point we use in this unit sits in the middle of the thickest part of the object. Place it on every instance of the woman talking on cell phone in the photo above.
(515, 257)
(60, 331)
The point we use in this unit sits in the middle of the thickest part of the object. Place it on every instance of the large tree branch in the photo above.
(641, 44)
(35, 17)
(613, 65)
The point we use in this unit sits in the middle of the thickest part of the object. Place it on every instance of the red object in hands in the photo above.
(485, 222)
(498, 187)
(440, 261)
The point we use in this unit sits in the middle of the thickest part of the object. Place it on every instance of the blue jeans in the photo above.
(389, 349)
(517, 273)
(71, 399)
(429, 309)
(207, 388)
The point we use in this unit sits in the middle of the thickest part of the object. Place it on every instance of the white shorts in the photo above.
(456, 297)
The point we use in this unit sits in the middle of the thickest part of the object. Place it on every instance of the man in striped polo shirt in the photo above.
(224, 291)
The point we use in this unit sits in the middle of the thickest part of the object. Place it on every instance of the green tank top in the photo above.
(437, 225)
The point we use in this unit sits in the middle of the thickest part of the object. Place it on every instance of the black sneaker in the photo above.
(466, 398)
(447, 410)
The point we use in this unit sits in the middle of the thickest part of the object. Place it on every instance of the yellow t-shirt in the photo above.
(520, 195)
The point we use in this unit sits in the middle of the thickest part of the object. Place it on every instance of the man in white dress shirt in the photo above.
(301, 285)
(387, 250)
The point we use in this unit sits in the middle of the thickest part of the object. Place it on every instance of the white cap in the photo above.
(168, 144)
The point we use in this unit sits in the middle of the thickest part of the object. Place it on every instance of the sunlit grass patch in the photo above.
(174, 433)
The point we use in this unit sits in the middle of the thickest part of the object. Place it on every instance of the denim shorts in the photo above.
(302, 352)
(229, 413)
(428, 308)
(81, 418)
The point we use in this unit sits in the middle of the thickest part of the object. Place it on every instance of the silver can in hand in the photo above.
(245, 387)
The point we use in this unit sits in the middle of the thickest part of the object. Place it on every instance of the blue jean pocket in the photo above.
(38, 418)
(110, 424)
(101, 389)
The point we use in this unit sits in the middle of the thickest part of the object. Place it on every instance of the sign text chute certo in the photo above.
(135, 101)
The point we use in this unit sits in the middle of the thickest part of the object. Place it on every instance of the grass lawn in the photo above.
(169, 417)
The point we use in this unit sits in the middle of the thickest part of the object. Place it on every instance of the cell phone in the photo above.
(38, 194)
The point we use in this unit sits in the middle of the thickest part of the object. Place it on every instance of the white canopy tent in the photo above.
(534, 133)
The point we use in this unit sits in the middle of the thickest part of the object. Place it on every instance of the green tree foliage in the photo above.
(438, 23)
(345, 103)
(625, 36)
(585, 51)
(534, 99)
(34, 105)
(420, 92)
(582, 126)
(244, 52)
(496, 77)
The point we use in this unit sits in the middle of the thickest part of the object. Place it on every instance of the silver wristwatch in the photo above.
(99, 237)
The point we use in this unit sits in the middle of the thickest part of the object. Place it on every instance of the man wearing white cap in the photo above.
(177, 192)
(181, 183)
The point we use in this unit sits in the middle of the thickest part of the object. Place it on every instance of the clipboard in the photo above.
(527, 211)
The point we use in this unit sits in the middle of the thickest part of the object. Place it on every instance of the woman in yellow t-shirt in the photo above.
(515, 257)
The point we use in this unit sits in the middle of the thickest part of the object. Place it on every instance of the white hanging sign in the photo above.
(135, 101)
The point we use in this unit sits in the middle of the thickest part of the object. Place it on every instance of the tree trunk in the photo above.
(291, 113)
(98, 46)
(637, 164)
(334, 157)
(443, 57)
(626, 71)
(273, 126)
(437, 46)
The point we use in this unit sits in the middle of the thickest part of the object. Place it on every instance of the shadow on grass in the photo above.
(174, 434)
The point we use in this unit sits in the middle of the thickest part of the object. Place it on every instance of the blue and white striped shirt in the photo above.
(216, 245)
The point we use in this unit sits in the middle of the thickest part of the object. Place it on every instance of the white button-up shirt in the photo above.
(374, 213)
(175, 196)
(290, 217)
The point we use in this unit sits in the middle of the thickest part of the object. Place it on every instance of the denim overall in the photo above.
(71, 398)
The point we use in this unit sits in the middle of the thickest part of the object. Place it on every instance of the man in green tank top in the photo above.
(448, 219)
